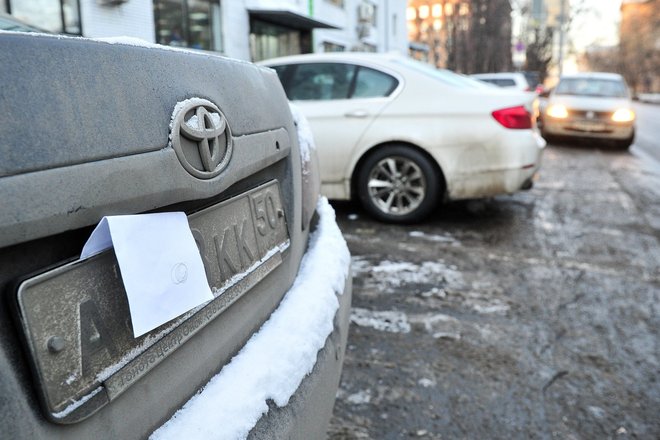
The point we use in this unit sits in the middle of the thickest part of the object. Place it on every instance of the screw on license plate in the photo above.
(55, 344)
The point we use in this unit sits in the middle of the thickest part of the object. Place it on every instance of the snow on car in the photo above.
(95, 130)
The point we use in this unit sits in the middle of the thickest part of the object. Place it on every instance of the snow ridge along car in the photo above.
(401, 136)
(98, 128)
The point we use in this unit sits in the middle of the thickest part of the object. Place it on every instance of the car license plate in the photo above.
(76, 320)
(589, 126)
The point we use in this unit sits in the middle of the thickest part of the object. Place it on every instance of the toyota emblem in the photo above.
(201, 138)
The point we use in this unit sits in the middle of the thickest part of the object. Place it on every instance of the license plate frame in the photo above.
(83, 356)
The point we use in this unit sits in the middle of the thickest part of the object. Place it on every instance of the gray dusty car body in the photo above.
(89, 129)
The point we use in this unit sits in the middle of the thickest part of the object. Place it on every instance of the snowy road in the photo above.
(528, 316)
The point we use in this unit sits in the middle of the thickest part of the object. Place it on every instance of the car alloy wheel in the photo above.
(398, 184)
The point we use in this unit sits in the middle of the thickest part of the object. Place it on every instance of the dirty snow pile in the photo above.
(388, 276)
(389, 321)
(275, 360)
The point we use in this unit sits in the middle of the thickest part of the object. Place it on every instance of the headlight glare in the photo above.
(557, 111)
(623, 115)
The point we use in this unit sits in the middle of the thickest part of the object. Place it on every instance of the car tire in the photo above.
(398, 184)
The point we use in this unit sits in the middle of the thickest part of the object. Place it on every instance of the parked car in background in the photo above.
(401, 136)
(99, 128)
(507, 80)
(590, 105)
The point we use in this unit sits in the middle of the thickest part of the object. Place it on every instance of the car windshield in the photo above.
(446, 76)
(592, 87)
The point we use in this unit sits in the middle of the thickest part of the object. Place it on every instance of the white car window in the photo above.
(320, 81)
(371, 83)
(505, 82)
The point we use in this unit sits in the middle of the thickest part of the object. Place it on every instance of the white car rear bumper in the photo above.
(523, 159)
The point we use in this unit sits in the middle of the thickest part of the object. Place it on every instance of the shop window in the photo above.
(332, 47)
(188, 23)
(57, 16)
(269, 40)
(339, 3)
(367, 47)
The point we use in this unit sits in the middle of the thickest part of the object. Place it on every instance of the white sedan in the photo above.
(402, 136)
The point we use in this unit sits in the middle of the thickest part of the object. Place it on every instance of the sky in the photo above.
(596, 24)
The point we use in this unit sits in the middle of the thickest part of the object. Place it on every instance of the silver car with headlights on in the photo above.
(590, 105)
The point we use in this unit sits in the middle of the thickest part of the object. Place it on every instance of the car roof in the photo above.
(593, 75)
(335, 56)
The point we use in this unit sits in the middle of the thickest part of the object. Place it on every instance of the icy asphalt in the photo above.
(532, 316)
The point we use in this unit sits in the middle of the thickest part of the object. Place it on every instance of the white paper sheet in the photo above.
(160, 265)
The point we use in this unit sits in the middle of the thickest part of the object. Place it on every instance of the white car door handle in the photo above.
(357, 114)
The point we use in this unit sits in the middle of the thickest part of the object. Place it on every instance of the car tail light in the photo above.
(514, 117)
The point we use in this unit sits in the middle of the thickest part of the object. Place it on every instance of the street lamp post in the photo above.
(562, 19)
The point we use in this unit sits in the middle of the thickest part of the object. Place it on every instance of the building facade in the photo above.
(468, 36)
(639, 44)
(547, 12)
(244, 29)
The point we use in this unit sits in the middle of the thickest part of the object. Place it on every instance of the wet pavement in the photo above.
(527, 316)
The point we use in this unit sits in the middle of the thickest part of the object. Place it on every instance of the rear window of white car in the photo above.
(446, 76)
(502, 82)
(371, 83)
(592, 87)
